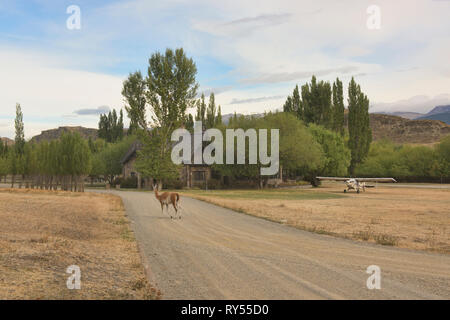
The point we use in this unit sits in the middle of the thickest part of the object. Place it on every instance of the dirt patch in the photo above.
(403, 217)
(44, 232)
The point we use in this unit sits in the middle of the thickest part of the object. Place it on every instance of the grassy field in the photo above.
(276, 194)
(44, 232)
(404, 217)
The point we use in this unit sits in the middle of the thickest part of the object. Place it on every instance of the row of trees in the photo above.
(209, 115)
(318, 102)
(408, 162)
(63, 163)
(67, 162)
(321, 103)
(110, 126)
(304, 150)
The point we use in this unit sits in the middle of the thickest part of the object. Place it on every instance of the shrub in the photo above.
(130, 182)
(214, 184)
(174, 184)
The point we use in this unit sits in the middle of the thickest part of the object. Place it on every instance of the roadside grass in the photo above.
(403, 217)
(276, 194)
(44, 232)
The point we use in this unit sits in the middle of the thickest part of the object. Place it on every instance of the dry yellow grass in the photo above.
(44, 232)
(403, 217)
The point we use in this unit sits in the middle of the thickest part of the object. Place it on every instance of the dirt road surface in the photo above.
(216, 253)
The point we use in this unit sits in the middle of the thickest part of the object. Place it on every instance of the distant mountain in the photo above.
(439, 109)
(9, 141)
(403, 114)
(54, 134)
(444, 117)
(441, 113)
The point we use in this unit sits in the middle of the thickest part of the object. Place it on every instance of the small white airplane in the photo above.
(357, 183)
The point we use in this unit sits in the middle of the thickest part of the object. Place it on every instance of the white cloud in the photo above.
(51, 92)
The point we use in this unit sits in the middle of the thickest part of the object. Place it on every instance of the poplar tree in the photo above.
(201, 109)
(134, 90)
(219, 116)
(211, 112)
(360, 134)
(288, 105)
(19, 144)
(296, 103)
(338, 107)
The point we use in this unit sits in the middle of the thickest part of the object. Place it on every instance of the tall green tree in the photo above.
(288, 105)
(201, 110)
(219, 116)
(134, 91)
(16, 160)
(19, 144)
(360, 134)
(338, 107)
(293, 103)
(171, 89)
(297, 103)
(211, 112)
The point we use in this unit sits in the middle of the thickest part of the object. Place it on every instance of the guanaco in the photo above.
(167, 198)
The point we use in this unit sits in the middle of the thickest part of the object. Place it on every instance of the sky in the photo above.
(250, 53)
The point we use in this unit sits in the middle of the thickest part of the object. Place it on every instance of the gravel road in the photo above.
(216, 253)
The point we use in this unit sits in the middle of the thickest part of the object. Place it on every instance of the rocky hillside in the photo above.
(403, 130)
(54, 134)
(9, 142)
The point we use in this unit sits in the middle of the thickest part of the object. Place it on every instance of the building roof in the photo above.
(135, 146)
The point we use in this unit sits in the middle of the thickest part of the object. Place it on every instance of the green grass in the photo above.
(278, 194)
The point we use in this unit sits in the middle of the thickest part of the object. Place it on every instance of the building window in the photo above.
(133, 174)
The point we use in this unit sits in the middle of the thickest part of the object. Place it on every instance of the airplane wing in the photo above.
(376, 179)
(359, 179)
(332, 178)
